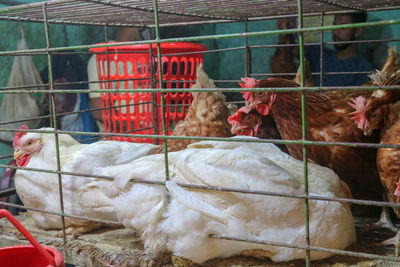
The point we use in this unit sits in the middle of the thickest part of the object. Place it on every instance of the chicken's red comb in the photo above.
(23, 127)
(19, 135)
(248, 97)
(359, 114)
(248, 83)
(235, 118)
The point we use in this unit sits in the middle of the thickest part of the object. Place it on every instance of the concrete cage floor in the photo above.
(121, 247)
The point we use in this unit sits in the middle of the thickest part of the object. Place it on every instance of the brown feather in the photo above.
(388, 159)
(207, 116)
(389, 75)
(327, 120)
(268, 130)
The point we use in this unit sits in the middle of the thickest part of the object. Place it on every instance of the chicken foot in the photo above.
(392, 241)
(384, 221)
(76, 230)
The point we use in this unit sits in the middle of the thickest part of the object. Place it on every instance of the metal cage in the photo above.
(159, 14)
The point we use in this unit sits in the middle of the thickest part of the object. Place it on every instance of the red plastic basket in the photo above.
(33, 255)
(134, 64)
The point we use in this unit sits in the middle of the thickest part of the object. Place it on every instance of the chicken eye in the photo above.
(247, 118)
(29, 142)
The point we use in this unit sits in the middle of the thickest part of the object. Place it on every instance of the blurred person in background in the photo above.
(343, 58)
(69, 68)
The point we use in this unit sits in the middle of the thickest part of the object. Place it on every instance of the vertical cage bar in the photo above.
(247, 51)
(160, 81)
(53, 117)
(304, 130)
(108, 79)
(153, 94)
(321, 51)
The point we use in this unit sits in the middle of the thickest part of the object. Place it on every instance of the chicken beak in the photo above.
(236, 129)
(18, 153)
(367, 132)
(251, 105)
(366, 129)
(257, 126)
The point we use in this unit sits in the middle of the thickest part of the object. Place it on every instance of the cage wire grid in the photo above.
(163, 13)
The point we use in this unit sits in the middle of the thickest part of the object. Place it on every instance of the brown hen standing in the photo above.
(385, 119)
(249, 122)
(388, 162)
(327, 120)
(207, 115)
(389, 75)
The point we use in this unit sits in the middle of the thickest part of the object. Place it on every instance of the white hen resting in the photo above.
(184, 225)
(40, 190)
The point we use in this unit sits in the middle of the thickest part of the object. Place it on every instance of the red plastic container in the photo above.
(33, 255)
(134, 64)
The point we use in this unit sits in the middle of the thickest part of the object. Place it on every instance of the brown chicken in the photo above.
(385, 119)
(327, 120)
(388, 162)
(245, 122)
(366, 114)
(251, 123)
(207, 115)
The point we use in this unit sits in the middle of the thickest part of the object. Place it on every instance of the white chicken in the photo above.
(184, 225)
(40, 190)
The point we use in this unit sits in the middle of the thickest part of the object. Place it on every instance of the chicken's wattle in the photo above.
(246, 132)
(23, 160)
(263, 109)
(397, 192)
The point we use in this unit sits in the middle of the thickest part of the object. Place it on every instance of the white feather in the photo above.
(184, 225)
(40, 190)
(192, 200)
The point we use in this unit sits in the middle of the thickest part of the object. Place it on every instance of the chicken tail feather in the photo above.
(202, 80)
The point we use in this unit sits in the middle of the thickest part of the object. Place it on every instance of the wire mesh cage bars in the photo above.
(119, 13)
